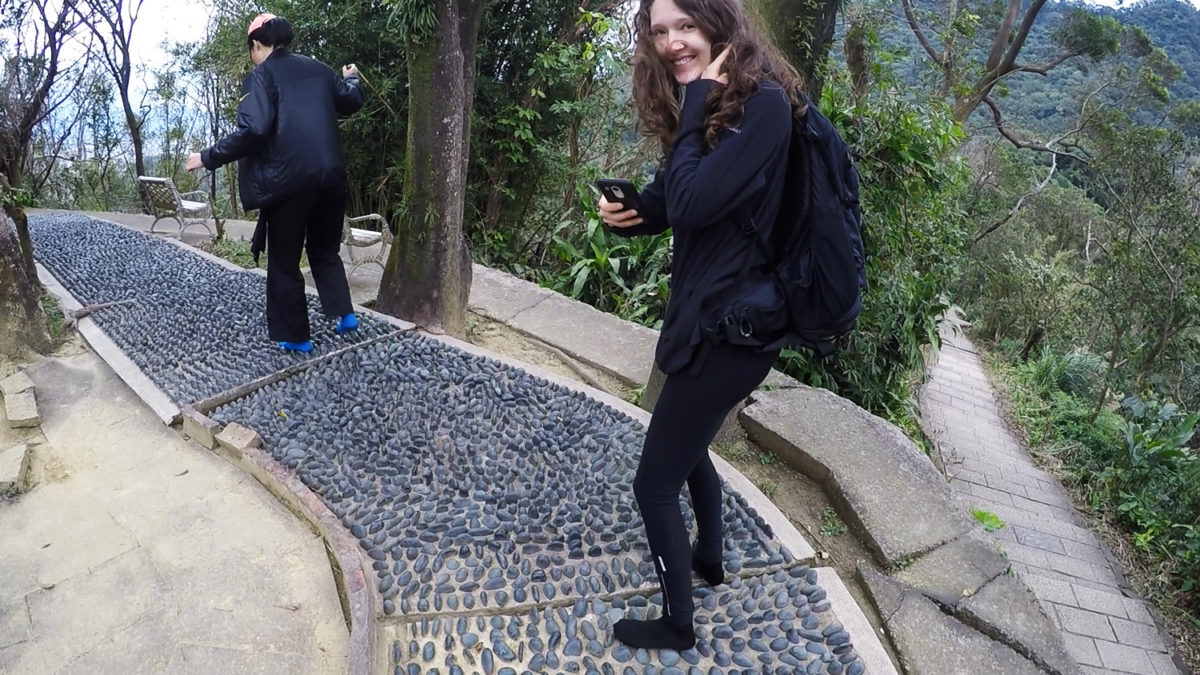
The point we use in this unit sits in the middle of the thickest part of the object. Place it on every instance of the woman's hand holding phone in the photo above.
(618, 202)
(614, 214)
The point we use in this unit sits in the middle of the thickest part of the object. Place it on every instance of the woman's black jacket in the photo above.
(713, 201)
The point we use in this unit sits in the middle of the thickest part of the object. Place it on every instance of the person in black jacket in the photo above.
(720, 100)
(291, 168)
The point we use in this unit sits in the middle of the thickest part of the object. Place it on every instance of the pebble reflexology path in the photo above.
(496, 507)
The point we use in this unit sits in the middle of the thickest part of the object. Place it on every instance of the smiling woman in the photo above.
(679, 42)
(720, 100)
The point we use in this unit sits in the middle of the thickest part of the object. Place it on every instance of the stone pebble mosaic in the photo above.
(472, 484)
(778, 624)
(195, 328)
(496, 507)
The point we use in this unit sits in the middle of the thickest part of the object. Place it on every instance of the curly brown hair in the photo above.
(751, 59)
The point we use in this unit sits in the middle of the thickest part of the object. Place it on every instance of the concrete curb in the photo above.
(549, 317)
(871, 652)
(365, 654)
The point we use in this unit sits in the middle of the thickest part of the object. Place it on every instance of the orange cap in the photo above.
(258, 22)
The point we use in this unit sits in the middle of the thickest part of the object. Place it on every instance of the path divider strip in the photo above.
(229, 395)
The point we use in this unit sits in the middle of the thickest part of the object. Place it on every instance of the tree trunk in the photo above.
(10, 183)
(135, 134)
(22, 322)
(801, 30)
(1031, 342)
(1114, 356)
(428, 275)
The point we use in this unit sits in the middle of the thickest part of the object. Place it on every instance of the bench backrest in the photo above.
(161, 192)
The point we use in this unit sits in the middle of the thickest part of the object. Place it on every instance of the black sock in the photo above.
(713, 573)
(656, 634)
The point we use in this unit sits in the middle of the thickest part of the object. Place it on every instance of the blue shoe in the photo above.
(348, 323)
(304, 347)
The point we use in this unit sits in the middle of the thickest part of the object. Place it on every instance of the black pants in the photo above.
(686, 418)
(310, 221)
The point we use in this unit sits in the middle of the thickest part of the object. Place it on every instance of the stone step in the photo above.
(21, 410)
(14, 469)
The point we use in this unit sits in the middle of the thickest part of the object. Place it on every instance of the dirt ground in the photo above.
(493, 335)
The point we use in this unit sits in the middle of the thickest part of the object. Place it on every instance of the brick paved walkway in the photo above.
(1106, 630)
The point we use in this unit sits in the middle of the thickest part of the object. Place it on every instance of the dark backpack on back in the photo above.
(815, 252)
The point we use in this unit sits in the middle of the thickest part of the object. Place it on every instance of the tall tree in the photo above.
(947, 34)
(112, 23)
(40, 33)
(428, 275)
(803, 31)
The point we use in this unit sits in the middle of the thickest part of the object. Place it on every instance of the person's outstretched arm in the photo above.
(347, 91)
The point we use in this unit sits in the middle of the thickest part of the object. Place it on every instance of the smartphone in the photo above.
(619, 191)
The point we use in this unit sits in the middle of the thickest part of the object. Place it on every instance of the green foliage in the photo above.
(550, 119)
(831, 524)
(1087, 33)
(769, 488)
(990, 521)
(235, 251)
(413, 18)
(56, 320)
(1081, 373)
(914, 234)
(624, 276)
(1133, 464)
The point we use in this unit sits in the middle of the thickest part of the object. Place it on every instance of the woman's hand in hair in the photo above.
(713, 70)
(616, 215)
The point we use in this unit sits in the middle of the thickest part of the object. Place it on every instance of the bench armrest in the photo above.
(190, 196)
(385, 230)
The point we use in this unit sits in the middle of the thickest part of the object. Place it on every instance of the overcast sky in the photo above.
(172, 20)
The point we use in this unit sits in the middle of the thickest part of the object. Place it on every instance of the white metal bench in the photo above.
(165, 200)
(357, 240)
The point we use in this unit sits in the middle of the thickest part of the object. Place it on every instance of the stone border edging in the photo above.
(355, 592)
(870, 652)
(108, 350)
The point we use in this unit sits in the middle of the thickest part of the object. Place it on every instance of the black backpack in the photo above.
(815, 252)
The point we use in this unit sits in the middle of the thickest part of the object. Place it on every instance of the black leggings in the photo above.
(312, 221)
(686, 418)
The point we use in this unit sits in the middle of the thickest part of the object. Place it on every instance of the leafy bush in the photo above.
(1133, 464)
(914, 233)
(1081, 373)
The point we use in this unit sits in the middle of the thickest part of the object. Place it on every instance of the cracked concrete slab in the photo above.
(876, 477)
(1007, 611)
(954, 571)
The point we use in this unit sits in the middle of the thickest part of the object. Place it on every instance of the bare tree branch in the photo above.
(998, 119)
(916, 29)
(1003, 33)
(1020, 202)
(1044, 69)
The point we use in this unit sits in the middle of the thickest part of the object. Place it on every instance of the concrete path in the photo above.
(138, 552)
(1107, 629)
